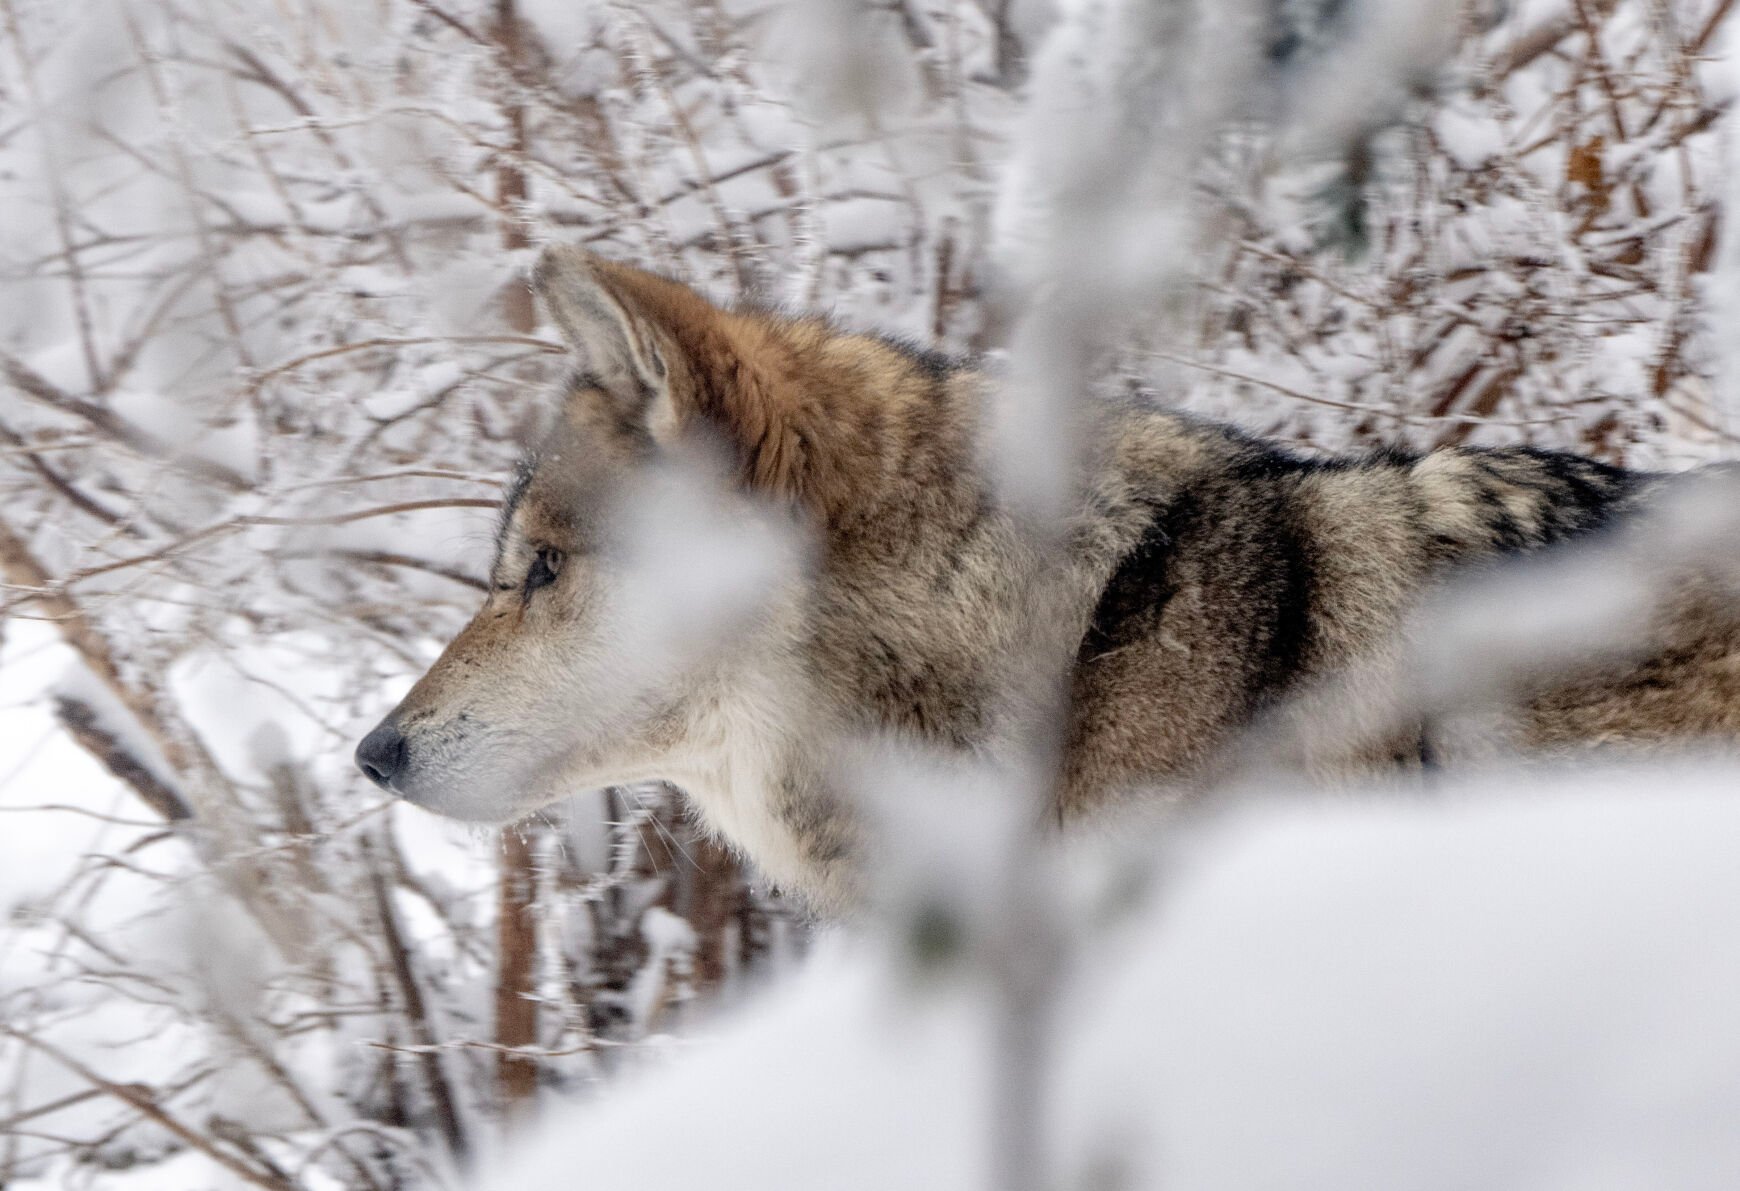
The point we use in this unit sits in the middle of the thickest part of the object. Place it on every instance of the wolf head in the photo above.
(645, 559)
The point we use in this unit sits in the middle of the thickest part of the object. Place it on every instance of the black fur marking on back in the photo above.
(1277, 586)
(1572, 494)
(1244, 526)
(1584, 494)
(1295, 583)
(1133, 598)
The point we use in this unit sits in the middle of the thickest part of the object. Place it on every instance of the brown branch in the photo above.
(451, 21)
(516, 1014)
(264, 75)
(62, 485)
(405, 506)
(728, 235)
(7, 1124)
(415, 1010)
(45, 589)
(32, 384)
(277, 370)
(143, 1098)
(19, 567)
(80, 721)
(1542, 40)
(1717, 15)
(225, 830)
(512, 188)
(387, 558)
(196, 199)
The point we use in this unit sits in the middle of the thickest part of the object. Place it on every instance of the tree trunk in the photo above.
(516, 1014)
(511, 189)
(710, 895)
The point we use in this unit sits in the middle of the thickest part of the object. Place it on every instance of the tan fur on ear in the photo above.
(739, 373)
(601, 324)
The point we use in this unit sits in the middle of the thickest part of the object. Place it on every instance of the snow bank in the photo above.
(1532, 985)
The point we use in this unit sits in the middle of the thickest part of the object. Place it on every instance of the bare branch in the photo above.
(82, 725)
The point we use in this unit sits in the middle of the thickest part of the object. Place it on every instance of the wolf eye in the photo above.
(546, 565)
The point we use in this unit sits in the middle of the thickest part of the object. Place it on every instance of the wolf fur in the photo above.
(1204, 579)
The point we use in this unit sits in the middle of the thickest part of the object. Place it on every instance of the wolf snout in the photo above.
(381, 755)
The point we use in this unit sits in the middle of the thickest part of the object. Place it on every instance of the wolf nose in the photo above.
(381, 754)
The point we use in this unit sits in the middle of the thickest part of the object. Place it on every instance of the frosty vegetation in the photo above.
(267, 355)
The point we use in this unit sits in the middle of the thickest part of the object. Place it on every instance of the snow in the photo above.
(1526, 984)
(836, 1080)
(1512, 986)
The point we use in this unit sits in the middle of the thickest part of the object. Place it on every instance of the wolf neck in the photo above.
(752, 759)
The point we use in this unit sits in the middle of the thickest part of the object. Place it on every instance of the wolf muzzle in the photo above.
(381, 754)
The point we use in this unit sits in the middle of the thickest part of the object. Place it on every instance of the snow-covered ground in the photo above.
(1531, 982)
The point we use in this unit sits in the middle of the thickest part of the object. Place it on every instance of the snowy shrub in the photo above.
(267, 355)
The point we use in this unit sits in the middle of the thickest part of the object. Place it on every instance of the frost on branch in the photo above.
(264, 363)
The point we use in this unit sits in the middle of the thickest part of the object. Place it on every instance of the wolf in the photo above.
(1203, 579)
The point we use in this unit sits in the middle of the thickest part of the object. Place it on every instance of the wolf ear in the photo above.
(669, 358)
(599, 316)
